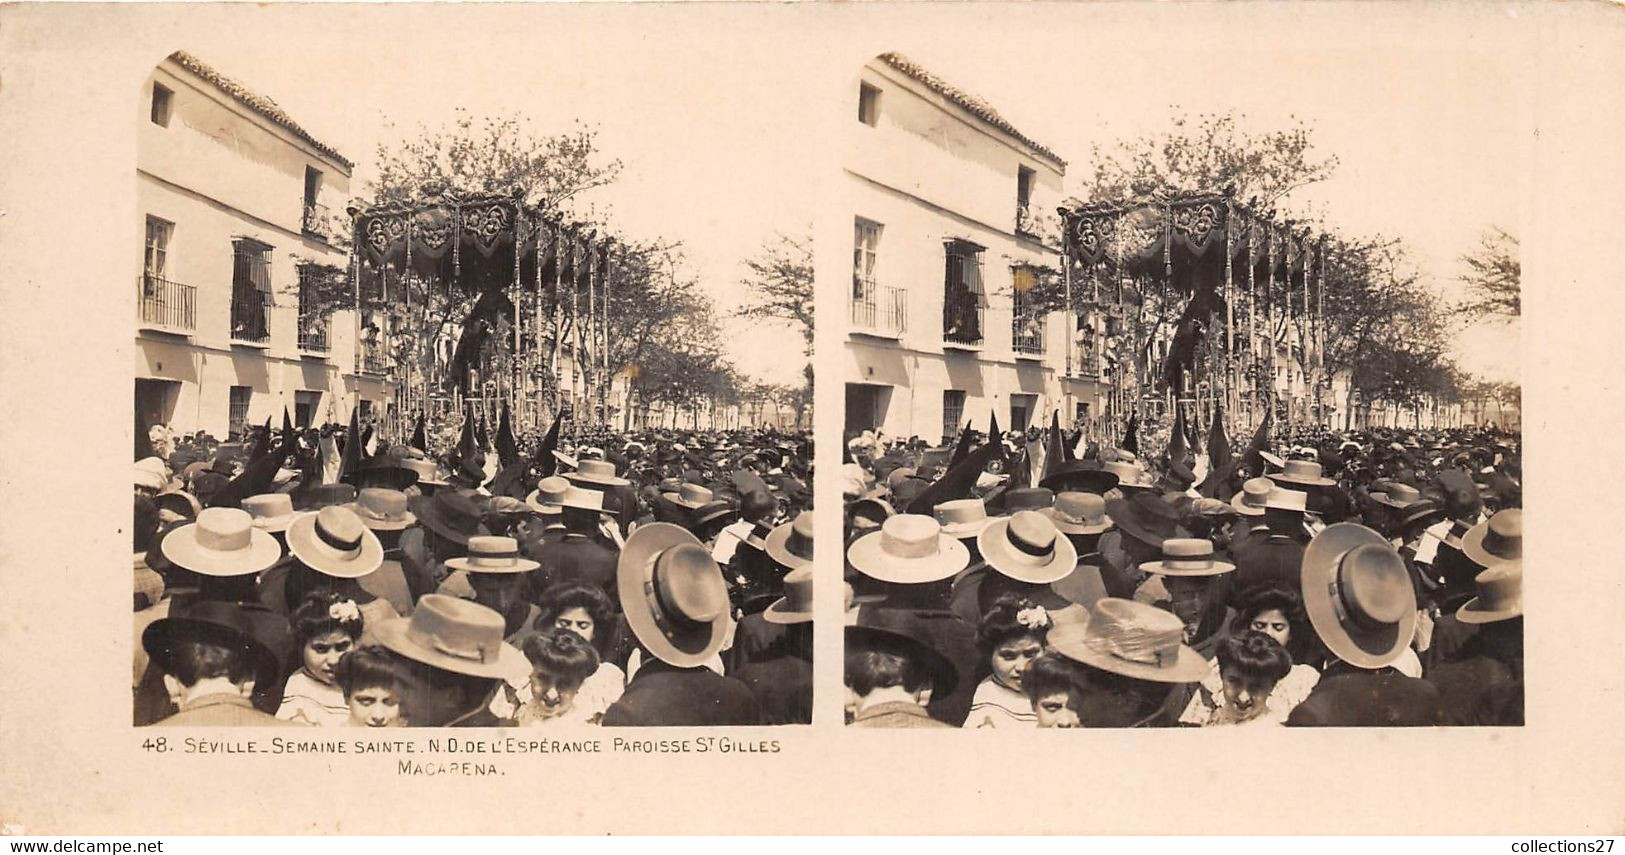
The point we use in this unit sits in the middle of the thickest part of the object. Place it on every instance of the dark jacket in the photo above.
(581, 559)
(783, 688)
(896, 714)
(1277, 560)
(662, 695)
(1352, 697)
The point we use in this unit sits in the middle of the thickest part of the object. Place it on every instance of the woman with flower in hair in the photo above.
(1012, 633)
(326, 626)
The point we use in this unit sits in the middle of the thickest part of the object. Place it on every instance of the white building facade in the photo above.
(945, 197)
(241, 208)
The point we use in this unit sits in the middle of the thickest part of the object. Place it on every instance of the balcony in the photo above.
(165, 306)
(373, 359)
(318, 222)
(313, 334)
(1026, 223)
(963, 320)
(250, 317)
(1027, 335)
(878, 310)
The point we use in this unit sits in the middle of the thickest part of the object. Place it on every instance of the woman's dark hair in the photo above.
(191, 661)
(303, 582)
(314, 617)
(1256, 655)
(1256, 600)
(1000, 624)
(1051, 674)
(563, 654)
(146, 523)
(566, 596)
(365, 668)
(868, 670)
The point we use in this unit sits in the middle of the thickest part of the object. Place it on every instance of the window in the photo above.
(313, 318)
(313, 184)
(238, 425)
(962, 295)
(305, 405)
(865, 243)
(1024, 199)
(1027, 312)
(953, 412)
(250, 291)
(868, 104)
(162, 103)
(1021, 411)
(156, 262)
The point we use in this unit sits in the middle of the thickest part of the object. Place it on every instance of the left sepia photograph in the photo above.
(448, 411)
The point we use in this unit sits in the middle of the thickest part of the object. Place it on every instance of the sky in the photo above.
(354, 82)
(1432, 135)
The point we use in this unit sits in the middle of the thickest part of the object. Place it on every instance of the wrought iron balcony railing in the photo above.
(1027, 334)
(165, 305)
(250, 315)
(373, 359)
(963, 318)
(313, 333)
(879, 309)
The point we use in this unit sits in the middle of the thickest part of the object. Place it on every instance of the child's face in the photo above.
(1012, 657)
(553, 694)
(1273, 624)
(375, 706)
(1245, 693)
(577, 621)
(1056, 709)
(324, 651)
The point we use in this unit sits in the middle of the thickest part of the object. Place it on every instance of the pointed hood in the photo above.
(507, 446)
(350, 464)
(420, 437)
(957, 483)
(1219, 462)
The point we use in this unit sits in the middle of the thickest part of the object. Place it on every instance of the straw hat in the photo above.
(791, 544)
(1132, 639)
(1398, 496)
(1027, 547)
(582, 499)
(1187, 556)
(1500, 594)
(1079, 513)
(1130, 476)
(382, 509)
(151, 473)
(488, 554)
(333, 541)
(597, 472)
(548, 496)
(672, 594)
(1304, 472)
(1497, 539)
(428, 473)
(272, 512)
(1250, 501)
(908, 549)
(1287, 500)
(454, 635)
(221, 542)
(796, 606)
(691, 496)
(1359, 595)
(962, 517)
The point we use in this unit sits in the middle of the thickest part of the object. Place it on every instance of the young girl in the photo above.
(560, 660)
(1250, 666)
(371, 684)
(1054, 689)
(1278, 613)
(1012, 633)
(326, 627)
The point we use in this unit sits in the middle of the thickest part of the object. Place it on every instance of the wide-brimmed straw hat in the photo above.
(791, 545)
(1080, 476)
(1079, 513)
(908, 549)
(548, 497)
(1131, 477)
(1359, 595)
(1282, 499)
(1027, 547)
(796, 606)
(1250, 501)
(962, 517)
(1397, 496)
(382, 509)
(1131, 639)
(428, 472)
(1500, 594)
(1272, 459)
(272, 512)
(1187, 556)
(334, 542)
(582, 499)
(221, 542)
(254, 630)
(672, 594)
(597, 472)
(453, 634)
(691, 496)
(488, 554)
(901, 631)
(1497, 539)
(1303, 472)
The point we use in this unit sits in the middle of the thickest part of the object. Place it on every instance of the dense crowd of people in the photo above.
(1318, 578)
(322, 577)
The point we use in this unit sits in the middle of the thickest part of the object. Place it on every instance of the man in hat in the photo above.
(583, 554)
(1189, 581)
(1143, 520)
(780, 673)
(213, 657)
(1274, 560)
(453, 660)
(675, 601)
(495, 575)
(894, 669)
(1482, 683)
(1134, 668)
(786, 548)
(448, 518)
(1022, 555)
(1082, 518)
(1362, 603)
(384, 512)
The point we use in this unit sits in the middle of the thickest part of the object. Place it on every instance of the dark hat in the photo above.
(1145, 517)
(252, 629)
(1026, 499)
(1079, 476)
(903, 632)
(386, 473)
(451, 514)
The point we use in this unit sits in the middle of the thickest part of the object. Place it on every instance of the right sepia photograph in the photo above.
(1200, 406)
